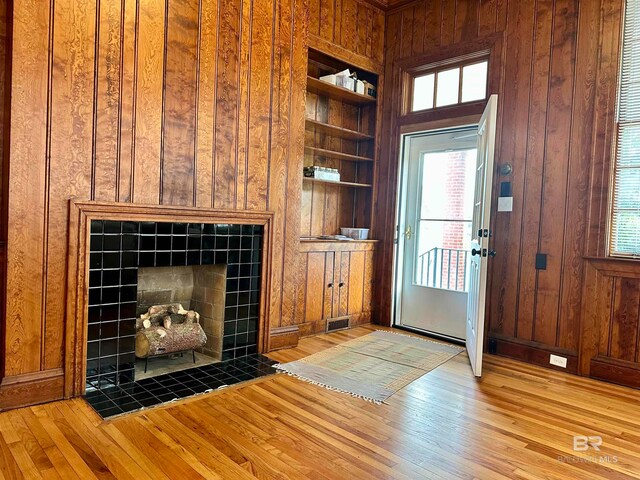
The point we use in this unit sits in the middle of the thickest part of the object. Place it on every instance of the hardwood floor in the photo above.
(514, 423)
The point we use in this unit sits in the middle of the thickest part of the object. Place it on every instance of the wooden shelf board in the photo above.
(338, 93)
(325, 240)
(341, 184)
(337, 155)
(336, 131)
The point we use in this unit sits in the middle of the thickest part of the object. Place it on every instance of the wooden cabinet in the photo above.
(336, 281)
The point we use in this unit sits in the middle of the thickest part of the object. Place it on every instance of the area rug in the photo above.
(372, 367)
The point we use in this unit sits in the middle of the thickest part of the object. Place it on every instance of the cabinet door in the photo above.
(330, 285)
(367, 295)
(342, 304)
(356, 282)
(315, 286)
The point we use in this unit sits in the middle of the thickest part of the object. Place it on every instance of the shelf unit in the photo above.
(333, 182)
(340, 133)
(337, 93)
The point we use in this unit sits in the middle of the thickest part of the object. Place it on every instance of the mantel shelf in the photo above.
(337, 93)
(336, 131)
(336, 155)
(340, 184)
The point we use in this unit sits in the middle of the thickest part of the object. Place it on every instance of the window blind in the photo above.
(625, 208)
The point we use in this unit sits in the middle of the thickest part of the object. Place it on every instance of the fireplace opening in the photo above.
(180, 318)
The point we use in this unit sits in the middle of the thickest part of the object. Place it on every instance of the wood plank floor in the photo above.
(514, 423)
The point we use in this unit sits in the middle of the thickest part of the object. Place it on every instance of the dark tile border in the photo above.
(113, 400)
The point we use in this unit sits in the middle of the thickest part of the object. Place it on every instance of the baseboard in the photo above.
(534, 353)
(284, 337)
(31, 388)
(615, 371)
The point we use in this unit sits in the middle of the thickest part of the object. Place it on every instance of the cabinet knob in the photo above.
(341, 284)
(330, 285)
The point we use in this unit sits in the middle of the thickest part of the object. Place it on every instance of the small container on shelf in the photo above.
(355, 233)
(322, 173)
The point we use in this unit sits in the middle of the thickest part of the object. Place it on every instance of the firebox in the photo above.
(211, 269)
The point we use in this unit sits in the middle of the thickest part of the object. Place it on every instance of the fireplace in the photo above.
(213, 269)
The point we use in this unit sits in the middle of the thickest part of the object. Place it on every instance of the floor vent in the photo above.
(337, 324)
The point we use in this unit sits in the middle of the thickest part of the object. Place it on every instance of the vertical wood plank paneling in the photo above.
(150, 119)
(276, 200)
(448, 20)
(487, 17)
(579, 161)
(244, 78)
(532, 188)
(227, 106)
(297, 50)
(179, 116)
(149, 102)
(72, 98)
(555, 178)
(207, 69)
(514, 134)
(107, 102)
(127, 101)
(558, 77)
(260, 81)
(26, 237)
(625, 319)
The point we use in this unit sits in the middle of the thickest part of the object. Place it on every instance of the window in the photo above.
(625, 205)
(450, 86)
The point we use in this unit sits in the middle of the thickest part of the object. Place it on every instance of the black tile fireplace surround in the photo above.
(118, 249)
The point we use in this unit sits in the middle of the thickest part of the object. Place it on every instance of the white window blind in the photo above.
(625, 211)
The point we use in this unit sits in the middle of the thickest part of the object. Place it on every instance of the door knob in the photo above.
(408, 232)
(475, 252)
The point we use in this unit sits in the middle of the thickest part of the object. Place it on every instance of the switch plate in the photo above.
(505, 204)
(541, 261)
(558, 361)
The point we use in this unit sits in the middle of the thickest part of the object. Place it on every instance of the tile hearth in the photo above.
(136, 395)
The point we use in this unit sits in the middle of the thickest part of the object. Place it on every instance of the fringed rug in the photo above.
(372, 367)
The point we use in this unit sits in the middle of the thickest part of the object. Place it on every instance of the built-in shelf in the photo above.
(336, 131)
(329, 240)
(336, 155)
(340, 184)
(337, 93)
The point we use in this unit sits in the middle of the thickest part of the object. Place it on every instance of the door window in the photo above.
(445, 214)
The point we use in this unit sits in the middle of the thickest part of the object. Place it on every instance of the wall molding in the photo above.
(284, 337)
(31, 388)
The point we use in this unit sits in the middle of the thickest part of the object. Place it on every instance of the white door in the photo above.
(438, 188)
(481, 236)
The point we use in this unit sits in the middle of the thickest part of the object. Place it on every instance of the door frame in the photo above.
(400, 202)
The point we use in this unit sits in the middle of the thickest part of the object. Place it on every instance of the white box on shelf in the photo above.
(332, 79)
(360, 87)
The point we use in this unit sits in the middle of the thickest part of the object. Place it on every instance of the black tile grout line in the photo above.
(116, 400)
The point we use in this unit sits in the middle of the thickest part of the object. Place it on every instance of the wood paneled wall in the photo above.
(557, 89)
(352, 30)
(5, 102)
(179, 102)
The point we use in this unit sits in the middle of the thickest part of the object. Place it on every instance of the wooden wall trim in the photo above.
(533, 352)
(283, 337)
(81, 215)
(31, 388)
(615, 371)
(345, 55)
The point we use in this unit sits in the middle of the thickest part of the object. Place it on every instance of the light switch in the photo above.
(505, 204)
